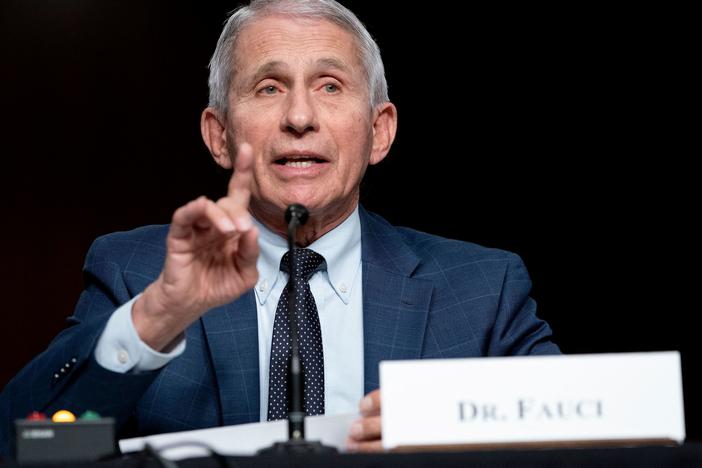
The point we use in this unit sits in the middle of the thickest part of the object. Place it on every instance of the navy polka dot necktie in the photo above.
(305, 263)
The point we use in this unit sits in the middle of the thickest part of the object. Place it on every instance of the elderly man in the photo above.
(185, 326)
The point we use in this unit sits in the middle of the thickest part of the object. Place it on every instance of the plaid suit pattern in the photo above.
(423, 297)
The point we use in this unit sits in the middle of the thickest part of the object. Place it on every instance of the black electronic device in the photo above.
(43, 441)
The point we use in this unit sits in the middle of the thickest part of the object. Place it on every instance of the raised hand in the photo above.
(212, 248)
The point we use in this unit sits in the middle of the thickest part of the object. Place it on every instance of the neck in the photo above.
(319, 223)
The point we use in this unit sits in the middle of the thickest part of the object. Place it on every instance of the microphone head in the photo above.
(297, 211)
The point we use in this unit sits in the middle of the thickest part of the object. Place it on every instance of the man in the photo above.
(299, 109)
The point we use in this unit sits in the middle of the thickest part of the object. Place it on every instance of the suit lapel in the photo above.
(395, 305)
(232, 338)
(395, 309)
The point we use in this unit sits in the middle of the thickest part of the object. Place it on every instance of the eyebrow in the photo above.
(266, 69)
(329, 62)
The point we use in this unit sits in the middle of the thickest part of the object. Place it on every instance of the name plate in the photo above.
(533, 400)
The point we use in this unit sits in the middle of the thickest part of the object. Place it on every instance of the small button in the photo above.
(36, 416)
(123, 356)
(263, 286)
(63, 416)
(343, 288)
(90, 416)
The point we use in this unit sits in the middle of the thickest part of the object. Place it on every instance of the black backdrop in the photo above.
(562, 134)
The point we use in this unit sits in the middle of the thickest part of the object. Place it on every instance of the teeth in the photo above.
(298, 163)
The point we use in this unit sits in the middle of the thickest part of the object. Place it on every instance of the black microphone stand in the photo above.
(296, 215)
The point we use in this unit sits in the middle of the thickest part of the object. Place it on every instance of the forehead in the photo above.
(294, 41)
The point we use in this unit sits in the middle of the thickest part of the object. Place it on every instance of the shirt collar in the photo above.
(340, 247)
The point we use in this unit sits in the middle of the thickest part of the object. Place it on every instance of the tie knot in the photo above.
(305, 263)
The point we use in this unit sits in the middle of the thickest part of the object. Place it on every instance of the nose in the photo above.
(300, 116)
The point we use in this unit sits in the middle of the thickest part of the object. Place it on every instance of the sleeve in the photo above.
(66, 375)
(119, 348)
(517, 330)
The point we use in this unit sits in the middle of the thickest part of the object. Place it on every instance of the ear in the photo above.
(214, 133)
(384, 129)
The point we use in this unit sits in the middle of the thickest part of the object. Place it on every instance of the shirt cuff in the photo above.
(119, 348)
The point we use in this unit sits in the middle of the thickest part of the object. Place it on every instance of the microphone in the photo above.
(296, 215)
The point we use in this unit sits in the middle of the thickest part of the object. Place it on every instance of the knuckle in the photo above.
(368, 426)
(224, 202)
(376, 426)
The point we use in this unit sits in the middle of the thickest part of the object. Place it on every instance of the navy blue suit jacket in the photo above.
(423, 297)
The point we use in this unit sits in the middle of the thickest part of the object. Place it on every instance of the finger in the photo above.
(364, 447)
(248, 249)
(203, 213)
(216, 216)
(240, 183)
(370, 404)
(239, 215)
(365, 429)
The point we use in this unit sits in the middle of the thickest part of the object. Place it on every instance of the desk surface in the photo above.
(688, 455)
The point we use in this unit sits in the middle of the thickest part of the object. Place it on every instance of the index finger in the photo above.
(240, 184)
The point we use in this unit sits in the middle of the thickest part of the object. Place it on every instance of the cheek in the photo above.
(362, 128)
(253, 123)
(355, 140)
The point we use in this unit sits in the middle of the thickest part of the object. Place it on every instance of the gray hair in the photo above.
(222, 62)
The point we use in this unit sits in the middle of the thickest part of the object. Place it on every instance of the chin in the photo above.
(311, 201)
(279, 205)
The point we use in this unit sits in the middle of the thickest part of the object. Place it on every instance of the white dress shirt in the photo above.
(338, 295)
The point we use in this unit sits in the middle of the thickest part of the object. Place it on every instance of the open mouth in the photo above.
(299, 161)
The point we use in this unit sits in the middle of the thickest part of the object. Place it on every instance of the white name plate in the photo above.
(532, 400)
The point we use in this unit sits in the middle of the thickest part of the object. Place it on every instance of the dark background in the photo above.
(561, 133)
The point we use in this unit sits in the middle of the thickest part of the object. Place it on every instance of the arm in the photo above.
(210, 260)
(84, 384)
(516, 331)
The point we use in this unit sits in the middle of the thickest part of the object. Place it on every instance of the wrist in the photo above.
(157, 322)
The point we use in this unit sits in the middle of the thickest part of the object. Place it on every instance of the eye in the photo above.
(269, 90)
(331, 88)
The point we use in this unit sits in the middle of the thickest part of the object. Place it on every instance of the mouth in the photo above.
(300, 160)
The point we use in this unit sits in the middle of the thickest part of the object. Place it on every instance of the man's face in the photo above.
(300, 98)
